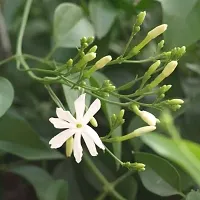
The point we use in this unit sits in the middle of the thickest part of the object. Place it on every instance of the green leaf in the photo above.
(66, 171)
(70, 25)
(193, 195)
(57, 191)
(160, 177)
(18, 138)
(103, 15)
(109, 109)
(71, 95)
(6, 95)
(128, 188)
(168, 148)
(36, 176)
(182, 17)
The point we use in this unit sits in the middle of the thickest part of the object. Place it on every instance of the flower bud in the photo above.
(153, 68)
(93, 49)
(143, 130)
(84, 45)
(161, 44)
(164, 88)
(134, 166)
(93, 121)
(157, 31)
(102, 62)
(89, 56)
(170, 67)
(148, 118)
(83, 40)
(69, 62)
(69, 146)
(176, 101)
(90, 40)
(140, 18)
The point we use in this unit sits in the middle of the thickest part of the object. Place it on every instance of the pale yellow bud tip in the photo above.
(170, 67)
(157, 31)
(102, 62)
(90, 56)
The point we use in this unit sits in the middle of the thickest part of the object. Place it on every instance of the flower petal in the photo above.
(65, 115)
(92, 110)
(77, 148)
(94, 136)
(80, 107)
(90, 144)
(59, 123)
(58, 140)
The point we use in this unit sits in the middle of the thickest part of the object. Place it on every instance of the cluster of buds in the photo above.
(173, 104)
(134, 166)
(117, 120)
(85, 42)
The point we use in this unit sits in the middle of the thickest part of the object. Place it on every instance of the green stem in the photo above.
(7, 60)
(53, 50)
(102, 196)
(20, 58)
(117, 159)
(95, 170)
(123, 177)
(54, 97)
(108, 186)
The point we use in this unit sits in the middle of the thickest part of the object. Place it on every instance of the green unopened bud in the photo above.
(157, 31)
(84, 45)
(161, 45)
(69, 62)
(90, 40)
(153, 67)
(102, 62)
(105, 94)
(134, 166)
(110, 88)
(69, 146)
(83, 40)
(164, 88)
(113, 119)
(136, 29)
(175, 101)
(121, 113)
(93, 121)
(93, 49)
(140, 18)
(170, 67)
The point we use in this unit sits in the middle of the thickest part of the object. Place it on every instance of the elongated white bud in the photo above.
(93, 121)
(176, 101)
(157, 31)
(102, 62)
(170, 67)
(89, 56)
(142, 130)
(69, 146)
(149, 118)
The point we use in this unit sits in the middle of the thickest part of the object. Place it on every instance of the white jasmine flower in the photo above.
(77, 127)
(149, 118)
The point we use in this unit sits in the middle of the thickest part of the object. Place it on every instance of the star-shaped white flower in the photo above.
(77, 127)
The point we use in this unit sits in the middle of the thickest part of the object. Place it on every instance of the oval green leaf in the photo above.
(18, 138)
(103, 15)
(70, 25)
(160, 177)
(6, 95)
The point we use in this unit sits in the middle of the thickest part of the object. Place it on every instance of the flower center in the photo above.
(78, 125)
